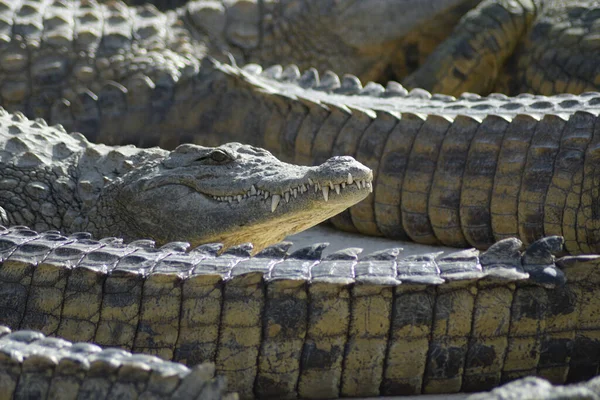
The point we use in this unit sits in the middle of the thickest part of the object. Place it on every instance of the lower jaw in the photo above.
(278, 225)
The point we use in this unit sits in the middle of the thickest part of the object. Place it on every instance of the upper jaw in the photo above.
(329, 178)
(327, 188)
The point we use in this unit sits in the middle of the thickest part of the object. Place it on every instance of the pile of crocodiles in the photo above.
(475, 170)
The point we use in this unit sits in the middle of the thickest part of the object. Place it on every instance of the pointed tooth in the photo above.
(325, 193)
(275, 202)
(304, 189)
(331, 185)
(370, 186)
(350, 180)
(343, 185)
(229, 199)
(316, 188)
(357, 183)
(253, 191)
(286, 195)
(337, 188)
(310, 182)
(266, 194)
(239, 198)
(295, 192)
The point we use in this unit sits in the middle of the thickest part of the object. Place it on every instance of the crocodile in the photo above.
(33, 366)
(445, 46)
(300, 324)
(464, 171)
(540, 389)
(233, 193)
(460, 172)
(122, 78)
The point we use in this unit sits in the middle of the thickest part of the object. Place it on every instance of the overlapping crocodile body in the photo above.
(457, 171)
(299, 324)
(33, 366)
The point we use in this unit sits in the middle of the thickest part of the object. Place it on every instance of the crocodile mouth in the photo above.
(279, 215)
(265, 213)
(328, 189)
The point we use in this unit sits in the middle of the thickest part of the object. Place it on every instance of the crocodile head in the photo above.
(234, 194)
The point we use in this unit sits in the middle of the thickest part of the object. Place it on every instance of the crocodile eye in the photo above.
(219, 156)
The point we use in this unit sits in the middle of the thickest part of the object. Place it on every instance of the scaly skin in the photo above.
(540, 46)
(233, 193)
(525, 46)
(512, 46)
(33, 366)
(285, 325)
(520, 167)
(444, 168)
(540, 389)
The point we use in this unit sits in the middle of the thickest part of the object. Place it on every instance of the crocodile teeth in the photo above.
(310, 182)
(350, 180)
(286, 195)
(325, 192)
(316, 188)
(343, 185)
(239, 198)
(337, 188)
(266, 194)
(275, 202)
(357, 183)
(295, 193)
(253, 191)
(370, 187)
(303, 188)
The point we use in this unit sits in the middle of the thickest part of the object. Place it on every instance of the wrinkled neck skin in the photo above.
(100, 175)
